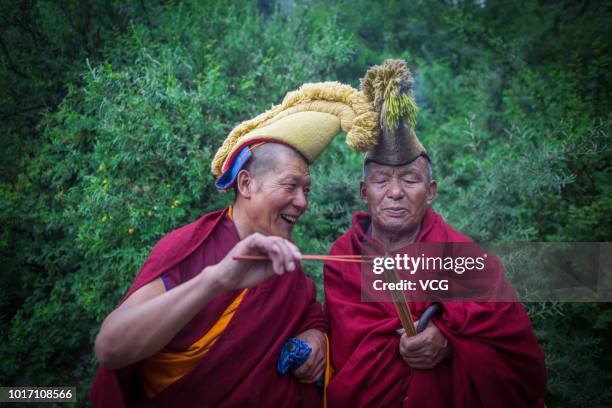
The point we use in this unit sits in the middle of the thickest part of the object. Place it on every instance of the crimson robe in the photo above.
(240, 368)
(496, 361)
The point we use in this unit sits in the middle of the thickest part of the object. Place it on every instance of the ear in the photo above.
(362, 192)
(432, 191)
(244, 183)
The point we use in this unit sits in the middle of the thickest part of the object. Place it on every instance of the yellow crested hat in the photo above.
(307, 120)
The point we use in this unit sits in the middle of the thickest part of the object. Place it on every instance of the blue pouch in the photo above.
(293, 354)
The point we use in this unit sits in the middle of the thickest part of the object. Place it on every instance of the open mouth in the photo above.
(291, 219)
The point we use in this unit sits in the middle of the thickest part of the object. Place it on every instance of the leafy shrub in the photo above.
(111, 113)
(126, 157)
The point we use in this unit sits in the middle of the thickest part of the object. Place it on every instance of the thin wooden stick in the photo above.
(352, 256)
(338, 258)
(399, 300)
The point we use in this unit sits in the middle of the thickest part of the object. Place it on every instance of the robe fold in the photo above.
(496, 360)
(239, 368)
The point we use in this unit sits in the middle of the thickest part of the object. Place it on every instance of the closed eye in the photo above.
(379, 181)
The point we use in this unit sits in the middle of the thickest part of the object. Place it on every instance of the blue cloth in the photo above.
(228, 177)
(293, 354)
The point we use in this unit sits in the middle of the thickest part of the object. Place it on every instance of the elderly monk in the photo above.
(472, 354)
(200, 328)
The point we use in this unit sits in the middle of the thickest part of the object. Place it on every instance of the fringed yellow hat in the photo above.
(388, 87)
(307, 120)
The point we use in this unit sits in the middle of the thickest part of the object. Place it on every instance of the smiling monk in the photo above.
(200, 329)
(474, 354)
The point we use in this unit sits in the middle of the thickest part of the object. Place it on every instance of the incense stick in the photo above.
(399, 300)
(337, 258)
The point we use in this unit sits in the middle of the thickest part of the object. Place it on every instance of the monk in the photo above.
(472, 354)
(199, 328)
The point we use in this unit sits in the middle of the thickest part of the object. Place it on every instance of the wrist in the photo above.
(210, 281)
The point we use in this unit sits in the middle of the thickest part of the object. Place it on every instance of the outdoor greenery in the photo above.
(111, 112)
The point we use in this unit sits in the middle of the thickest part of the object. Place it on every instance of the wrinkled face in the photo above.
(397, 196)
(279, 197)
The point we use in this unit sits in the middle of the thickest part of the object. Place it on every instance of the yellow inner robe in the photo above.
(165, 367)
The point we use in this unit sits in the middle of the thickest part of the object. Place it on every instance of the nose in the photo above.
(300, 201)
(394, 190)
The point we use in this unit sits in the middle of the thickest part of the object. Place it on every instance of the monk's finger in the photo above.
(427, 351)
(407, 345)
(317, 364)
(320, 370)
(301, 370)
(288, 255)
(277, 257)
(316, 373)
(266, 245)
(297, 254)
(402, 350)
(417, 358)
(422, 352)
(401, 330)
(310, 365)
(296, 251)
(285, 254)
(427, 358)
(418, 362)
(420, 366)
(280, 254)
(309, 379)
(413, 343)
(306, 380)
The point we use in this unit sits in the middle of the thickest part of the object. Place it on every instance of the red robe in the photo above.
(496, 362)
(240, 369)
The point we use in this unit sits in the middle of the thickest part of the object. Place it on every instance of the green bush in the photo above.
(112, 112)
(126, 157)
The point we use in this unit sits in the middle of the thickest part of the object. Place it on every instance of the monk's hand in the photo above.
(233, 274)
(313, 367)
(425, 350)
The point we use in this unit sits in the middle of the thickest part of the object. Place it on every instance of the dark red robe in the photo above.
(496, 362)
(240, 369)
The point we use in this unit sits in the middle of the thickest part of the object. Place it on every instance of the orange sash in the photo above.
(328, 371)
(164, 368)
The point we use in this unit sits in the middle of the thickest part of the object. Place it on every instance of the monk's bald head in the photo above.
(270, 158)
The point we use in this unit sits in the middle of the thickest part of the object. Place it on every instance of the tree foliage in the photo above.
(111, 113)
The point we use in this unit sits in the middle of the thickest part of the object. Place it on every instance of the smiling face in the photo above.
(274, 190)
(397, 198)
